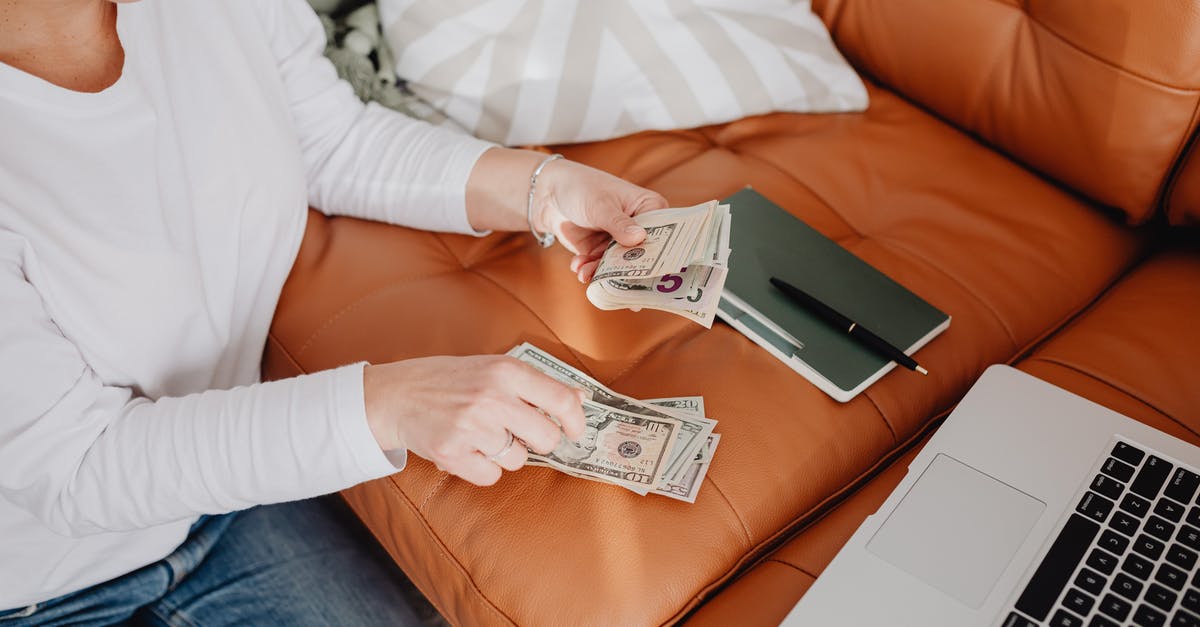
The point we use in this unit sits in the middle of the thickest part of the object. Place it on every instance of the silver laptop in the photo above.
(1029, 506)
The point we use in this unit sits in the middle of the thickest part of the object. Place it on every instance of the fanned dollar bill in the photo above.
(687, 486)
(693, 428)
(661, 446)
(680, 267)
(617, 447)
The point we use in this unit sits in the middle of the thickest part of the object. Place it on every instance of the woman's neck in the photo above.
(71, 43)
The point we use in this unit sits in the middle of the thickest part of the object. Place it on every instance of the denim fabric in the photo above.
(302, 563)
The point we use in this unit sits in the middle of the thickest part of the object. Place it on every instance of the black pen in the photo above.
(859, 332)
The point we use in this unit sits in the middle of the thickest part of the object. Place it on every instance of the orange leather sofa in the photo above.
(1027, 166)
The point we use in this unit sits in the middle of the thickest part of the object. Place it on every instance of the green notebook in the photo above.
(767, 241)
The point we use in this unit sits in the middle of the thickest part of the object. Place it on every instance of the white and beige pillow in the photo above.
(521, 72)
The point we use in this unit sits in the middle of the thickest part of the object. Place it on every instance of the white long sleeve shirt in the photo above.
(145, 233)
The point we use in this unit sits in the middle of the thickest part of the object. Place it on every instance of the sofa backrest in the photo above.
(1183, 197)
(1101, 95)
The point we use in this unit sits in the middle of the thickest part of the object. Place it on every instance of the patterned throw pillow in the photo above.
(355, 45)
(558, 71)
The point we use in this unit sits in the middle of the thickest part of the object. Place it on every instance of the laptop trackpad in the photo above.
(956, 529)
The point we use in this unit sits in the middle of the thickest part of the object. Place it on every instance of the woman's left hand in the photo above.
(586, 208)
(583, 207)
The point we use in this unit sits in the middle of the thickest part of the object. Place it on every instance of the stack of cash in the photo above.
(661, 446)
(679, 268)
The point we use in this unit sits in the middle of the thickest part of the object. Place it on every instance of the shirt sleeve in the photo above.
(365, 161)
(85, 457)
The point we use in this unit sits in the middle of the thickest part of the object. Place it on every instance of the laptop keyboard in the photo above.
(1128, 553)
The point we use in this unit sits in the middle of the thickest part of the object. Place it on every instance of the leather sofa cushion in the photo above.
(1137, 350)
(1134, 351)
(1100, 95)
(768, 591)
(1183, 199)
(1007, 254)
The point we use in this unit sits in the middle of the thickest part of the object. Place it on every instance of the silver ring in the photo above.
(507, 445)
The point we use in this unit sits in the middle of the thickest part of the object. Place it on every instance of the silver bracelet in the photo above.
(545, 240)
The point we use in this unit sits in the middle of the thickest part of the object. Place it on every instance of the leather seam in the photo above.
(859, 233)
(446, 555)
(365, 297)
(902, 248)
(1107, 63)
(650, 351)
(271, 338)
(776, 560)
(536, 316)
(437, 487)
(1087, 372)
(702, 150)
(807, 519)
(736, 516)
(1183, 155)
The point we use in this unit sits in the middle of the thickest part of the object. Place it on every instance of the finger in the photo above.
(476, 468)
(577, 262)
(650, 201)
(587, 270)
(624, 229)
(563, 403)
(534, 428)
(514, 458)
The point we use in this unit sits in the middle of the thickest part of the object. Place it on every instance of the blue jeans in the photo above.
(302, 563)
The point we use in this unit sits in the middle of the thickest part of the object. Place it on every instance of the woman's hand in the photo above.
(457, 412)
(584, 207)
(587, 208)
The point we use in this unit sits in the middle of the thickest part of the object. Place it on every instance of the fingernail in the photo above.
(633, 228)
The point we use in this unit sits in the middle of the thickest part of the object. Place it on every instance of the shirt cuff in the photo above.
(354, 430)
(458, 171)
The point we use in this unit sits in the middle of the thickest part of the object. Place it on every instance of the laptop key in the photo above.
(1159, 528)
(1181, 557)
(1171, 577)
(1078, 601)
(1094, 506)
(1182, 485)
(1135, 505)
(1101, 561)
(1090, 580)
(1193, 516)
(1016, 620)
(1146, 616)
(1127, 586)
(1113, 541)
(1148, 546)
(1169, 509)
(1100, 621)
(1063, 618)
(1117, 469)
(1191, 600)
(1160, 597)
(1151, 478)
(1137, 566)
(1183, 619)
(1189, 536)
(1124, 523)
(1055, 570)
(1115, 607)
(1107, 486)
(1128, 453)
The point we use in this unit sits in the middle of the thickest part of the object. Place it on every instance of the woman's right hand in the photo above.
(457, 412)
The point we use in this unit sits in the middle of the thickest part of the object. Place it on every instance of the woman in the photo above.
(156, 162)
